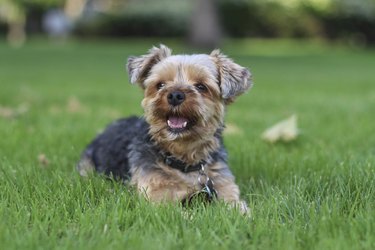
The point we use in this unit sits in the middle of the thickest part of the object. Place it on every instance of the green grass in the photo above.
(315, 193)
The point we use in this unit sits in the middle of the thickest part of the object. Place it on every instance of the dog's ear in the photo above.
(233, 78)
(139, 67)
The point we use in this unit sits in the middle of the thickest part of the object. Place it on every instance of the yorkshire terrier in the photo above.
(176, 150)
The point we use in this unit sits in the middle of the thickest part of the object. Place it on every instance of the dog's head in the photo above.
(185, 95)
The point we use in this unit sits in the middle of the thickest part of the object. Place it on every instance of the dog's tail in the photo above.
(85, 165)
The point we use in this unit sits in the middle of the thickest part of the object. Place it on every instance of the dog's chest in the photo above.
(165, 183)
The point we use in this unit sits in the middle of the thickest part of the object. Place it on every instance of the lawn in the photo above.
(317, 192)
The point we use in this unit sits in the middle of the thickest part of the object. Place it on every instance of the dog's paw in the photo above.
(241, 206)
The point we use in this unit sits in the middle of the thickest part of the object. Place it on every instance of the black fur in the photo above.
(126, 143)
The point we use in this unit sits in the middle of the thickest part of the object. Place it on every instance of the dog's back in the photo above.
(108, 153)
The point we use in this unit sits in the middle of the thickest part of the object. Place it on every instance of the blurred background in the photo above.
(202, 23)
(63, 77)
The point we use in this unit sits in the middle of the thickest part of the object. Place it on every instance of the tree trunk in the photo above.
(205, 30)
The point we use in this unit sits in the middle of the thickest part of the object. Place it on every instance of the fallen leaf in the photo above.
(232, 129)
(9, 113)
(285, 130)
(75, 106)
(43, 161)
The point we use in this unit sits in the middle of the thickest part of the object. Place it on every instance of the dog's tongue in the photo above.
(177, 122)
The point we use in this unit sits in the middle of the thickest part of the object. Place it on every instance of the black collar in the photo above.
(175, 163)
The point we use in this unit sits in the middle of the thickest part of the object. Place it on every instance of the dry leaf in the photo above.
(232, 129)
(285, 130)
(43, 161)
(75, 106)
(9, 113)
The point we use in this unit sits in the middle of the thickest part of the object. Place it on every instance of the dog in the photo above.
(175, 151)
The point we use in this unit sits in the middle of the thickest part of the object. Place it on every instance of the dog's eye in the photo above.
(160, 85)
(200, 87)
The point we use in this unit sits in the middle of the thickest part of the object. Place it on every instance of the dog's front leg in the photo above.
(229, 192)
(157, 187)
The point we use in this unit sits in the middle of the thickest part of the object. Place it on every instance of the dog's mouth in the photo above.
(178, 124)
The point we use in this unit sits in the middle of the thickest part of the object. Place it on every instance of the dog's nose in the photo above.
(175, 98)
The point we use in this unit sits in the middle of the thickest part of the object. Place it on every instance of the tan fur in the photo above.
(165, 183)
(207, 109)
(234, 79)
(224, 80)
